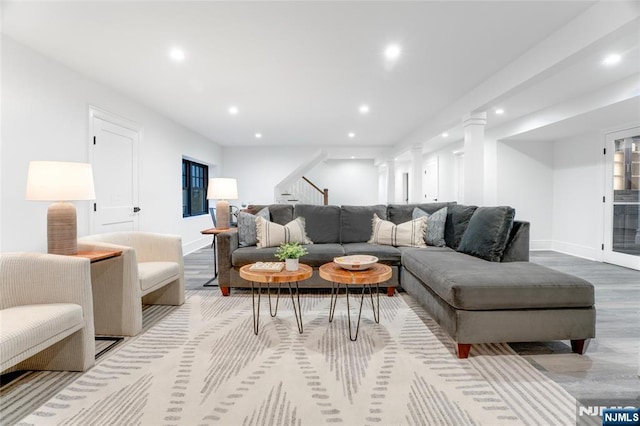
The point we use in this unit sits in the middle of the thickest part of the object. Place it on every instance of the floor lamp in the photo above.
(61, 182)
(222, 189)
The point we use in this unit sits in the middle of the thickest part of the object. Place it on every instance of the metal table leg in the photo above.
(215, 265)
(256, 310)
(272, 313)
(334, 299)
(296, 312)
(376, 312)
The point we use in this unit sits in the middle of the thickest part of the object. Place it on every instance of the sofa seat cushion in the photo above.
(469, 283)
(385, 254)
(318, 255)
(27, 329)
(153, 275)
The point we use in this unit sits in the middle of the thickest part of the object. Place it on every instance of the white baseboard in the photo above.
(196, 245)
(577, 250)
(540, 245)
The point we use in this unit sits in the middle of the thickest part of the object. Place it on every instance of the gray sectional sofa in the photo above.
(474, 300)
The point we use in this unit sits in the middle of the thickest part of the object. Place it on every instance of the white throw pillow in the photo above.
(271, 234)
(407, 234)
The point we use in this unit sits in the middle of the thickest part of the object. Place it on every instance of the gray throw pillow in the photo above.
(488, 231)
(434, 234)
(247, 234)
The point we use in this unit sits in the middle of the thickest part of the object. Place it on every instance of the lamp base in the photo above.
(222, 214)
(62, 229)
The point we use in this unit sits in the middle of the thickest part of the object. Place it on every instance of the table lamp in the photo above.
(61, 182)
(222, 189)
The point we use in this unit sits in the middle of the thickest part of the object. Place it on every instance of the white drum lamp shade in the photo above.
(61, 182)
(222, 189)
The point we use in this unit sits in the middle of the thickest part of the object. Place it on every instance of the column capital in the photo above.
(475, 119)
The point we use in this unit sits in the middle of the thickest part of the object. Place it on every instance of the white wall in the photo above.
(447, 180)
(350, 182)
(525, 182)
(578, 189)
(45, 117)
(259, 169)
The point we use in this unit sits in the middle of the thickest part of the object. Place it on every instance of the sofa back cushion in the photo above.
(356, 222)
(322, 222)
(280, 213)
(400, 213)
(458, 217)
(488, 232)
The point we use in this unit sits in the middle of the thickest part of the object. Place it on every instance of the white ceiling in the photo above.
(297, 71)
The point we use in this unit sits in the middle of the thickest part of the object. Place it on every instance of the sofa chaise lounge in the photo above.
(474, 300)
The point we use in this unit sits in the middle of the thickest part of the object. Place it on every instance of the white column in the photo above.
(490, 172)
(391, 181)
(415, 178)
(474, 158)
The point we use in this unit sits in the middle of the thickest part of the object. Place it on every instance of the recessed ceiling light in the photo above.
(499, 111)
(352, 157)
(258, 135)
(176, 54)
(364, 108)
(445, 135)
(612, 59)
(352, 135)
(233, 110)
(392, 52)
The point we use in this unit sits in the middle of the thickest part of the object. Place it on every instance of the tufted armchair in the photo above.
(46, 313)
(149, 271)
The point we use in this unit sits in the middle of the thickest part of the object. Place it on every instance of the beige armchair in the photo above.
(149, 271)
(46, 313)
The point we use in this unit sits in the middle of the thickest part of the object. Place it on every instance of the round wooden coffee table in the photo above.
(261, 277)
(376, 274)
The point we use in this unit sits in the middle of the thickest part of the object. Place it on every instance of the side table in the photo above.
(215, 232)
(262, 277)
(376, 274)
(99, 324)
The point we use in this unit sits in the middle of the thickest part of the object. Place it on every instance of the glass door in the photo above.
(622, 204)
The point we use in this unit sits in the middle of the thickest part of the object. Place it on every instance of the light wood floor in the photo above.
(608, 371)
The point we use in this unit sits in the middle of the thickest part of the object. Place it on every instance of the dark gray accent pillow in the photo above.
(458, 217)
(488, 232)
(434, 233)
(247, 235)
(280, 213)
(401, 213)
(322, 222)
(356, 222)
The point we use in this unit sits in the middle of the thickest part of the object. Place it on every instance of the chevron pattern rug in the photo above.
(201, 364)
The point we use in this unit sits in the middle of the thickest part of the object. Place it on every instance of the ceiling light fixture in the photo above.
(258, 135)
(392, 52)
(612, 59)
(364, 108)
(176, 54)
(499, 111)
(352, 157)
(445, 135)
(233, 110)
(352, 135)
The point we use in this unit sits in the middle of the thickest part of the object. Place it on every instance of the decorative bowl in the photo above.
(358, 262)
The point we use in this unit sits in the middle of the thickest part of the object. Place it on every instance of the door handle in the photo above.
(136, 209)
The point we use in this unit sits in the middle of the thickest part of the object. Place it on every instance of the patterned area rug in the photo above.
(202, 365)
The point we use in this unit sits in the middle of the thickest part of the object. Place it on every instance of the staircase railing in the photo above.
(324, 192)
(303, 191)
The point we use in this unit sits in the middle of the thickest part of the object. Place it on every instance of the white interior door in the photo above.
(622, 199)
(114, 147)
(431, 181)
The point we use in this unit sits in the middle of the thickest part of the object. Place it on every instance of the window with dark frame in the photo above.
(195, 178)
